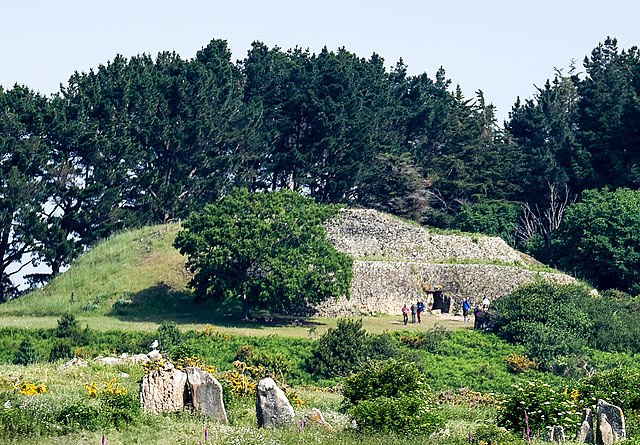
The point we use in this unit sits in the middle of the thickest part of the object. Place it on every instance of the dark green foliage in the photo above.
(27, 353)
(61, 350)
(390, 396)
(81, 415)
(619, 386)
(550, 320)
(389, 378)
(168, 335)
(491, 217)
(67, 326)
(267, 250)
(544, 406)
(599, 239)
(340, 351)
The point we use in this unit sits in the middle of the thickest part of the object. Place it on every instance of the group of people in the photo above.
(478, 312)
(416, 310)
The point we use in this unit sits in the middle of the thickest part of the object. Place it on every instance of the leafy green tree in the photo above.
(269, 250)
(599, 239)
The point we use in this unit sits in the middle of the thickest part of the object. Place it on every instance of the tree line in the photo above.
(144, 140)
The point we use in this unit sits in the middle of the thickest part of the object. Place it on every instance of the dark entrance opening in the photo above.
(440, 300)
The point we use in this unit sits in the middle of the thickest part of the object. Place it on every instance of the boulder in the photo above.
(611, 427)
(73, 363)
(315, 418)
(272, 406)
(163, 390)
(585, 432)
(206, 394)
(555, 434)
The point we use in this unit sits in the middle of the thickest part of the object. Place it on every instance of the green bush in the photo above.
(620, 386)
(489, 434)
(536, 405)
(26, 353)
(80, 415)
(61, 350)
(390, 396)
(550, 320)
(408, 414)
(169, 335)
(340, 351)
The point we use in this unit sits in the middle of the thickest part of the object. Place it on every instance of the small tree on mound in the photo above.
(268, 250)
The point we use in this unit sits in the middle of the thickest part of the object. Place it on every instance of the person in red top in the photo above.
(405, 313)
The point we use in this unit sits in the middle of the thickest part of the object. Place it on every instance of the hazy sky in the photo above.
(503, 47)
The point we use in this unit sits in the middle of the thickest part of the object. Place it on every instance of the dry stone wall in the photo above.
(393, 259)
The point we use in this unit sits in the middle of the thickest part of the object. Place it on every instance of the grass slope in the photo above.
(124, 269)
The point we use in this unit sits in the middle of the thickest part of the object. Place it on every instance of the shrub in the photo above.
(520, 363)
(390, 396)
(61, 350)
(67, 326)
(550, 320)
(340, 351)
(169, 335)
(542, 406)
(618, 386)
(26, 353)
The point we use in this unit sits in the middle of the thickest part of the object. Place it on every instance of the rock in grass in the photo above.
(206, 394)
(163, 390)
(272, 406)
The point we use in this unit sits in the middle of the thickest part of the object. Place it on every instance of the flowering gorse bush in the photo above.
(30, 389)
(520, 363)
(544, 406)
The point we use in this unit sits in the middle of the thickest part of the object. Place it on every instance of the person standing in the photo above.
(465, 310)
(405, 314)
(420, 310)
(477, 317)
(413, 313)
(485, 303)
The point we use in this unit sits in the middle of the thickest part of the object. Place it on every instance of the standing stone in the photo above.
(163, 390)
(206, 394)
(611, 426)
(272, 406)
(555, 434)
(585, 432)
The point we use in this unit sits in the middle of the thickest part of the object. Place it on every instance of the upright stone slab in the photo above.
(206, 394)
(555, 434)
(272, 406)
(585, 432)
(611, 427)
(163, 390)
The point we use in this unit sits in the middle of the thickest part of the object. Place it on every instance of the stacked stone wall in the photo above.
(393, 259)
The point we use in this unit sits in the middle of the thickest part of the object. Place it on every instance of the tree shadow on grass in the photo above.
(163, 303)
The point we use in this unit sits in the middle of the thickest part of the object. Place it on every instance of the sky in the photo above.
(502, 47)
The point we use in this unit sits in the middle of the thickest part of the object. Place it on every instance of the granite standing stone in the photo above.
(611, 426)
(555, 434)
(163, 390)
(206, 394)
(272, 406)
(585, 432)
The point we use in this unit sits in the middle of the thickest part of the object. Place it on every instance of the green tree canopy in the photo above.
(599, 239)
(267, 249)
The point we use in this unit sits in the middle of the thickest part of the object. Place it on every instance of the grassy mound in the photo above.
(133, 268)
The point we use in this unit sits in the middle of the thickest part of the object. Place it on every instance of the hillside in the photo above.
(138, 273)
